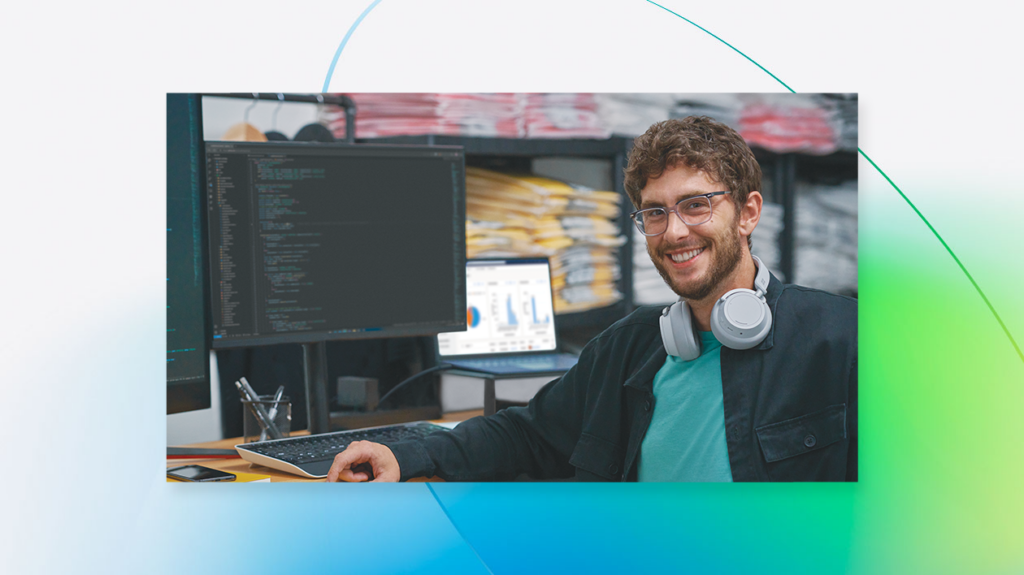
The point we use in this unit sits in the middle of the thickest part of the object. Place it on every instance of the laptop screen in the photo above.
(509, 309)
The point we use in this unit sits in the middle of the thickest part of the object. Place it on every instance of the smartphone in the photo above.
(199, 473)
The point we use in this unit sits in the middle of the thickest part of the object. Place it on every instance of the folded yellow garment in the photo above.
(603, 274)
(555, 243)
(511, 233)
(526, 183)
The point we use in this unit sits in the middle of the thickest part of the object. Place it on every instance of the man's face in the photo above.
(693, 260)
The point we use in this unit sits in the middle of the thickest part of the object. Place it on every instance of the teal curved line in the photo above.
(337, 54)
(708, 32)
(935, 232)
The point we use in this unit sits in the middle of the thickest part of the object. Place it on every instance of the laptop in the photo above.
(510, 321)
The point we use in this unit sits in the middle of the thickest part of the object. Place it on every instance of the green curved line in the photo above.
(948, 249)
(888, 179)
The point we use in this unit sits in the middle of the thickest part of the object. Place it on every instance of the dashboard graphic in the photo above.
(509, 309)
(472, 317)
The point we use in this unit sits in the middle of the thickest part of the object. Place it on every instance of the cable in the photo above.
(441, 367)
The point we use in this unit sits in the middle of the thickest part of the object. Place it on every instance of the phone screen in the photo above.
(199, 473)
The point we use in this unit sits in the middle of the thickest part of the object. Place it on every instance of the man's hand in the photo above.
(361, 454)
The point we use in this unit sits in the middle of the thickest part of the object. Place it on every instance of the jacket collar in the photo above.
(644, 377)
(775, 288)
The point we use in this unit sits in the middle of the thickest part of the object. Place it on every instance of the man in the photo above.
(760, 387)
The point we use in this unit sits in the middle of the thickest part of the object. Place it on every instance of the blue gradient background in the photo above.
(81, 355)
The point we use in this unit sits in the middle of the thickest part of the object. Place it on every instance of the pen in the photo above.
(273, 410)
(252, 408)
(272, 429)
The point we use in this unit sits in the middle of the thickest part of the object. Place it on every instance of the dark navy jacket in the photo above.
(790, 405)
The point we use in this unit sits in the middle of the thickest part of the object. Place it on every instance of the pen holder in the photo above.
(252, 428)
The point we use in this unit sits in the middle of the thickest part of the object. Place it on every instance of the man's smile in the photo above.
(685, 257)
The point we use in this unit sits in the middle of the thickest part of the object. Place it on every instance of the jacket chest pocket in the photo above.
(596, 459)
(806, 448)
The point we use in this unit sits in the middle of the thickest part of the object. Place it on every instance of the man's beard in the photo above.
(727, 255)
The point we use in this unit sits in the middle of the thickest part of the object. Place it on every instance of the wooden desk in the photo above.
(239, 465)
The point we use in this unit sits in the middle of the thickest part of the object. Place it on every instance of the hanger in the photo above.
(273, 134)
(244, 131)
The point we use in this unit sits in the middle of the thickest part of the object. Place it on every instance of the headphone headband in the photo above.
(762, 278)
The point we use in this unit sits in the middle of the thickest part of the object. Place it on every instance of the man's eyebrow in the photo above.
(679, 198)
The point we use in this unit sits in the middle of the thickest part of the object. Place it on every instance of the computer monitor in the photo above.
(312, 242)
(188, 363)
(316, 242)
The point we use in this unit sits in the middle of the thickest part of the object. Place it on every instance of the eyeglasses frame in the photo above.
(675, 211)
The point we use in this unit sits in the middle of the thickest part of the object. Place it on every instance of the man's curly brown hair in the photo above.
(699, 143)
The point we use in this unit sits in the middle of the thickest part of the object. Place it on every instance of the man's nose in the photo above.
(676, 228)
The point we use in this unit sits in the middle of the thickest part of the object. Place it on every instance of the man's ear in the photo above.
(750, 213)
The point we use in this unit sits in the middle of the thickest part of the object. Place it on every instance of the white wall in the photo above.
(219, 114)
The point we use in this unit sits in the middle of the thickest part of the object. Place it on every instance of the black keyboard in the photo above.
(312, 454)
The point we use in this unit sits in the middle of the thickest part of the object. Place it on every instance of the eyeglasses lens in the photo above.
(693, 211)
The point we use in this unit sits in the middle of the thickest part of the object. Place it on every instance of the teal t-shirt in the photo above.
(686, 438)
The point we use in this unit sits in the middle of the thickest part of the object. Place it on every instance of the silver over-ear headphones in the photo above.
(740, 320)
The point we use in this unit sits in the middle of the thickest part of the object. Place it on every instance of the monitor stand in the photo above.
(314, 372)
(322, 420)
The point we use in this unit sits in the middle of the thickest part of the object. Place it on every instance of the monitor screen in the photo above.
(314, 242)
(188, 363)
(509, 309)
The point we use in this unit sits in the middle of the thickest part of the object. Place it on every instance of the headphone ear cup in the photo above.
(668, 339)
(741, 319)
(678, 332)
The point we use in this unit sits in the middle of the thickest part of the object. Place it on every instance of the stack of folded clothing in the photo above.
(521, 215)
(843, 108)
(384, 115)
(563, 116)
(632, 114)
(724, 108)
(826, 237)
(788, 123)
(648, 286)
(766, 237)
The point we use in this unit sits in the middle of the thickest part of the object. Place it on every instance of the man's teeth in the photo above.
(685, 256)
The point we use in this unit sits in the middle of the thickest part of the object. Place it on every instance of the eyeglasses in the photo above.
(693, 211)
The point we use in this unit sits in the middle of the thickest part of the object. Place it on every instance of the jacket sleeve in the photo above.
(537, 439)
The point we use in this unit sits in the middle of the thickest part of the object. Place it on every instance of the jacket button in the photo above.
(647, 406)
(613, 468)
(809, 441)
